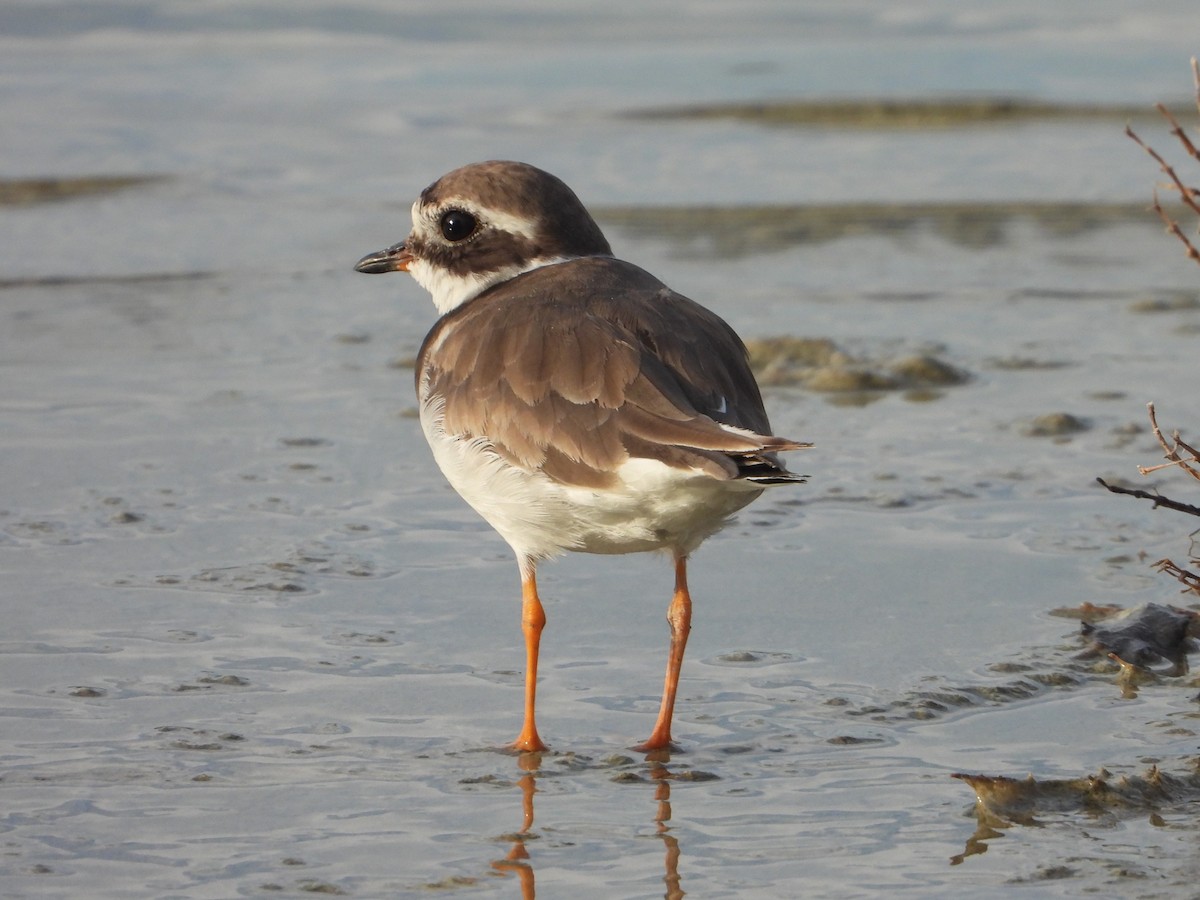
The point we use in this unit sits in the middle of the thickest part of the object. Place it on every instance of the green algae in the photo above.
(729, 232)
(818, 364)
(33, 191)
(897, 114)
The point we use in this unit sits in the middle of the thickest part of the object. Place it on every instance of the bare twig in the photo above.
(1189, 248)
(1190, 580)
(1196, 81)
(1190, 196)
(1158, 499)
(1171, 452)
(1180, 134)
(1186, 193)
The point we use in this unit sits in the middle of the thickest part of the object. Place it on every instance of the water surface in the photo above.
(255, 646)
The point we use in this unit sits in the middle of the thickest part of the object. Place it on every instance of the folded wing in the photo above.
(596, 362)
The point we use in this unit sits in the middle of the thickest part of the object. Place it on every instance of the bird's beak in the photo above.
(394, 259)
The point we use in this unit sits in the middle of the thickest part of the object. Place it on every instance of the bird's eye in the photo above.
(457, 225)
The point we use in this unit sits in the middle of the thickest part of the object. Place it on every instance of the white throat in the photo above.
(451, 291)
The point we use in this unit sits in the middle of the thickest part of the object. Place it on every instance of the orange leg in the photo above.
(679, 617)
(533, 620)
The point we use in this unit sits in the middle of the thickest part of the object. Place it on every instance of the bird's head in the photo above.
(486, 223)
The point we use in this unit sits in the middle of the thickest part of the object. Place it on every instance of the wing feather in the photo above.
(573, 369)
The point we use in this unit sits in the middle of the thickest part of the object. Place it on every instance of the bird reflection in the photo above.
(519, 862)
(662, 816)
(518, 857)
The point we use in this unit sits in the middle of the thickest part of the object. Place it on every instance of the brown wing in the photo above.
(575, 368)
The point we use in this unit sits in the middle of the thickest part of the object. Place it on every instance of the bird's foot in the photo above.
(657, 750)
(528, 743)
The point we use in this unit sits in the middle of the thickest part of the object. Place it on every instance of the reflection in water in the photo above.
(977, 843)
(1002, 803)
(662, 815)
(519, 861)
(518, 857)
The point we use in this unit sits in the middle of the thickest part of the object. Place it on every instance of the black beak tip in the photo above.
(393, 259)
(372, 263)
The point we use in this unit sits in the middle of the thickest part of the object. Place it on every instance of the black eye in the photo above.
(457, 225)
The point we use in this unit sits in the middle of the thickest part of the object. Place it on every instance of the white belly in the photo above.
(651, 507)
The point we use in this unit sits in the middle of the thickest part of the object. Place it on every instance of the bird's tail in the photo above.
(764, 467)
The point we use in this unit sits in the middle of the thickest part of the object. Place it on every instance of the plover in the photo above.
(573, 399)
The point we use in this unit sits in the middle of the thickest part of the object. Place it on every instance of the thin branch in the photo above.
(1171, 452)
(1189, 249)
(1190, 580)
(1172, 226)
(1187, 194)
(1190, 196)
(1179, 132)
(1157, 499)
(1196, 81)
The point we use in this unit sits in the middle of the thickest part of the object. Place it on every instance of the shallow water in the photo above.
(255, 646)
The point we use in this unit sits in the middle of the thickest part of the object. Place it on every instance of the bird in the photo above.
(571, 398)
